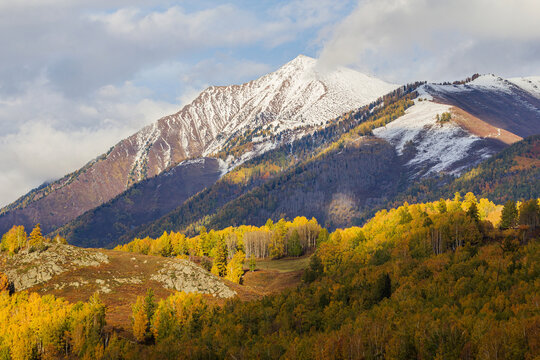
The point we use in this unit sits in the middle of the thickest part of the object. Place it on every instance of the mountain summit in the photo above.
(277, 107)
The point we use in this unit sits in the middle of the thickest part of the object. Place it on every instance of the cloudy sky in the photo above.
(76, 76)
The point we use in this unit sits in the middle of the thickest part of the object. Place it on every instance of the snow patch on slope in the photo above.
(487, 82)
(529, 84)
(441, 146)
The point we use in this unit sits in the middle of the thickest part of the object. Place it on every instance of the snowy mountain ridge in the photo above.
(487, 113)
(296, 95)
(281, 106)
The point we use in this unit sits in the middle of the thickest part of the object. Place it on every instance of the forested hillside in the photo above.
(453, 279)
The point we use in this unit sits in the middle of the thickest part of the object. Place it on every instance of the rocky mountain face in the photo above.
(281, 105)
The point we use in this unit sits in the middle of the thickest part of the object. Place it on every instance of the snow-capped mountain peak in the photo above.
(259, 114)
(294, 96)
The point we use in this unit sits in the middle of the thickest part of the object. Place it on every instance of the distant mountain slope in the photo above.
(530, 84)
(513, 174)
(274, 108)
(510, 105)
(433, 146)
(143, 202)
(425, 148)
(336, 188)
(113, 219)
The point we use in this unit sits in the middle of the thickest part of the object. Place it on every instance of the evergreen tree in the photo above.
(473, 212)
(383, 287)
(404, 214)
(509, 215)
(220, 259)
(315, 269)
(149, 304)
(529, 214)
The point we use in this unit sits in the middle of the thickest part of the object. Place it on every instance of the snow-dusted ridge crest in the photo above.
(297, 95)
(487, 112)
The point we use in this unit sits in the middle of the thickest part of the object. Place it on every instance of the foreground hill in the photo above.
(75, 274)
(272, 109)
(428, 280)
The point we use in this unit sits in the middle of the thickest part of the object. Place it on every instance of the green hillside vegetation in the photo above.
(420, 281)
(435, 280)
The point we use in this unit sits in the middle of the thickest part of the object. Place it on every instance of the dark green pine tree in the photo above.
(220, 259)
(473, 212)
(383, 287)
(509, 216)
(529, 214)
(149, 304)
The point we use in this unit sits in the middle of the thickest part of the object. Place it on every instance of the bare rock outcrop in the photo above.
(182, 275)
(27, 269)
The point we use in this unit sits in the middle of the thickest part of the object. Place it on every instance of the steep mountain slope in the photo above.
(143, 202)
(253, 173)
(530, 84)
(512, 105)
(336, 188)
(433, 146)
(513, 174)
(279, 106)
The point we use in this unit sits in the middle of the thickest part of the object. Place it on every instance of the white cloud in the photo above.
(50, 135)
(77, 76)
(406, 40)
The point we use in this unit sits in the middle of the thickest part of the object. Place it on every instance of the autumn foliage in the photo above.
(439, 280)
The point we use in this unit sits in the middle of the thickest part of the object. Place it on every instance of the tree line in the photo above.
(231, 246)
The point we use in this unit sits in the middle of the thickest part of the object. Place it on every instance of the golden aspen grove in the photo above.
(431, 280)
